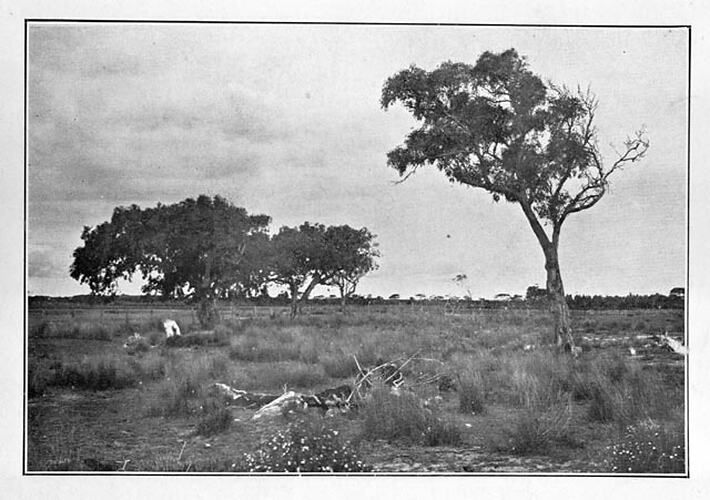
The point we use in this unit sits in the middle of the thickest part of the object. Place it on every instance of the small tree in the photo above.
(497, 126)
(461, 280)
(311, 254)
(351, 254)
(300, 261)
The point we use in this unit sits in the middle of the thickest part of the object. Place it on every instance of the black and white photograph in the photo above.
(348, 249)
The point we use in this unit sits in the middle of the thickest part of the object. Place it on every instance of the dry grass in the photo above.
(532, 402)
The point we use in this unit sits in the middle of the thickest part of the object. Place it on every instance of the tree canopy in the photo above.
(352, 254)
(497, 126)
(194, 247)
(206, 248)
(311, 254)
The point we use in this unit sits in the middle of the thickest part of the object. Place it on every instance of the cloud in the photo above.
(42, 263)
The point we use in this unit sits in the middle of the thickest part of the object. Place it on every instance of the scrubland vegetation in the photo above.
(493, 397)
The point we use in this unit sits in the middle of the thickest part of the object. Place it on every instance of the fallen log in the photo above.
(329, 398)
(673, 344)
(287, 402)
(243, 398)
(342, 397)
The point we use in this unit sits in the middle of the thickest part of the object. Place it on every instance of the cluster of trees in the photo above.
(208, 249)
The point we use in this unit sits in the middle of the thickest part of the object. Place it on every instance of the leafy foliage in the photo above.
(352, 254)
(496, 126)
(195, 247)
(311, 254)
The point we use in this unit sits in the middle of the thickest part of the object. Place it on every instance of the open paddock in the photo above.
(483, 392)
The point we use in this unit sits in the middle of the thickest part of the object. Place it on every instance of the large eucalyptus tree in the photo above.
(497, 126)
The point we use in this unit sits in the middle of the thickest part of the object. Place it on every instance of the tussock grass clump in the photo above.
(169, 463)
(99, 329)
(187, 375)
(227, 329)
(215, 419)
(471, 391)
(622, 392)
(290, 374)
(74, 329)
(39, 376)
(539, 379)
(402, 417)
(648, 447)
(262, 350)
(536, 430)
(151, 366)
(338, 365)
(97, 373)
(177, 397)
(42, 330)
(305, 446)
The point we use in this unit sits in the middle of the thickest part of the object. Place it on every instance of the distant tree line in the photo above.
(674, 300)
(577, 302)
(207, 249)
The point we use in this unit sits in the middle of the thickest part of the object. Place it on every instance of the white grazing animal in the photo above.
(171, 328)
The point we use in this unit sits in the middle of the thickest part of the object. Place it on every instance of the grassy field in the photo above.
(483, 393)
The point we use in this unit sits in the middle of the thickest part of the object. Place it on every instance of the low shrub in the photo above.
(198, 339)
(136, 345)
(648, 448)
(401, 417)
(305, 446)
(155, 337)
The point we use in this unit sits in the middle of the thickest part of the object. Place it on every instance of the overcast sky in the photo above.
(285, 120)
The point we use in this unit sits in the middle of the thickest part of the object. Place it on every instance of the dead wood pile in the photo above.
(341, 398)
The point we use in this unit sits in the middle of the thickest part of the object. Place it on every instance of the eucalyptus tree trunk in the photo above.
(558, 301)
(207, 312)
(294, 301)
(562, 329)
